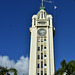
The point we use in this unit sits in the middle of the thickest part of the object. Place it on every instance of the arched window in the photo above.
(49, 20)
(38, 65)
(34, 21)
(38, 16)
(41, 14)
(41, 55)
(41, 72)
(44, 15)
(41, 64)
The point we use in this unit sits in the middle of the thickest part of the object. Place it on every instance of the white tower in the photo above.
(42, 46)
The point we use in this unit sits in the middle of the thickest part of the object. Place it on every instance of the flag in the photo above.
(55, 7)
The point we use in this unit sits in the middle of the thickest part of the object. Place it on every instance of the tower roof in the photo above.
(42, 8)
(42, 12)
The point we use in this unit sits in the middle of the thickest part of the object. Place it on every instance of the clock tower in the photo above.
(42, 45)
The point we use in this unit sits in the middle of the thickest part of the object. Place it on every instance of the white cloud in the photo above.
(21, 65)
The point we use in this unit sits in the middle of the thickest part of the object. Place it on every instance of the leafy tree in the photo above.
(68, 68)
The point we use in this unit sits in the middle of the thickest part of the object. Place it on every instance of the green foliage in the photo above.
(4, 70)
(13, 70)
(68, 68)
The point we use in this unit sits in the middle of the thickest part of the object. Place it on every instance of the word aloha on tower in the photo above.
(42, 46)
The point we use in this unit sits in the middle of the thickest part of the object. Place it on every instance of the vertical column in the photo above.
(51, 51)
(33, 52)
(48, 53)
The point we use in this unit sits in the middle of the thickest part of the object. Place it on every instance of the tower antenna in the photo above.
(46, 1)
(42, 3)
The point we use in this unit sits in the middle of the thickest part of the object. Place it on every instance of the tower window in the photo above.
(41, 40)
(45, 64)
(38, 66)
(44, 47)
(37, 73)
(45, 73)
(41, 55)
(41, 14)
(49, 20)
(41, 64)
(34, 21)
(38, 57)
(44, 55)
(41, 72)
(38, 48)
(44, 15)
(44, 39)
(41, 47)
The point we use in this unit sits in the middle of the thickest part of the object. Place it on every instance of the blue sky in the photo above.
(16, 19)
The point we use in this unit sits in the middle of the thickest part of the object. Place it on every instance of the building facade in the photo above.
(42, 45)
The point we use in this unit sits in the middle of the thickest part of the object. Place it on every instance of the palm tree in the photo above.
(71, 67)
(13, 70)
(4, 70)
(68, 68)
(1, 67)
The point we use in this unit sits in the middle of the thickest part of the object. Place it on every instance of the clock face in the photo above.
(41, 32)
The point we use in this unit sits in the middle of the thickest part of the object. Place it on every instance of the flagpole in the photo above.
(54, 7)
(42, 3)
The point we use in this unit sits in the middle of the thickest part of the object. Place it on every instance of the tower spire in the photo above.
(42, 3)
